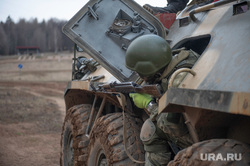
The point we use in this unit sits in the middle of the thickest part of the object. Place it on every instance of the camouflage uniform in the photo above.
(176, 5)
(158, 130)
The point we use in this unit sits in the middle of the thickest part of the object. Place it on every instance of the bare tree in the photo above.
(46, 35)
(3, 42)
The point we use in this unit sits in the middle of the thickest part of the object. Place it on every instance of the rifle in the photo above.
(131, 87)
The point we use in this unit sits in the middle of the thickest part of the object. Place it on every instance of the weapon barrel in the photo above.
(131, 87)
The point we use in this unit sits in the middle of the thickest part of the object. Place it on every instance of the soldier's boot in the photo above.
(155, 10)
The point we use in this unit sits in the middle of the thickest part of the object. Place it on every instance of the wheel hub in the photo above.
(102, 161)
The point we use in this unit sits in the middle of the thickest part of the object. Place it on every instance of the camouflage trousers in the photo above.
(157, 159)
(156, 135)
(175, 130)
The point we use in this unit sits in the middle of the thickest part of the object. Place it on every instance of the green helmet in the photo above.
(147, 54)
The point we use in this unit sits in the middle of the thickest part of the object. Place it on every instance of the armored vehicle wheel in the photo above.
(214, 152)
(107, 145)
(73, 140)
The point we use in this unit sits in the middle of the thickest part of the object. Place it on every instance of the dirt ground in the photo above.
(32, 108)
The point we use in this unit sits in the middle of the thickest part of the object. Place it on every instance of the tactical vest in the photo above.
(184, 59)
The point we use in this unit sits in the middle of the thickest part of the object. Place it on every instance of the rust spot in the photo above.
(245, 104)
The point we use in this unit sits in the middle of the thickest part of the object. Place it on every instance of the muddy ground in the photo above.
(32, 108)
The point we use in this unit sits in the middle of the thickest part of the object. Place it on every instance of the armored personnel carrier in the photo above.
(102, 125)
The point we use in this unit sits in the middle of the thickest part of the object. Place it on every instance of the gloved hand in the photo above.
(141, 100)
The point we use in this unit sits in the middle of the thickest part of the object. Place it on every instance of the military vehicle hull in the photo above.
(222, 81)
(214, 101)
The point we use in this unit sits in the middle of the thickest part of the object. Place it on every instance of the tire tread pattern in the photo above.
(77, 116)
(191, 156)
(110, 129)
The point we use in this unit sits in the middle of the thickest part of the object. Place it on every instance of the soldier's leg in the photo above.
(157, 159)
(173, 125)
(175, 6)
(155, 144)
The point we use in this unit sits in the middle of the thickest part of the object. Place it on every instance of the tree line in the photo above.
(47, 35)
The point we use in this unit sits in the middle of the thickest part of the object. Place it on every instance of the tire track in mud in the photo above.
(30, 124)
(51, 91)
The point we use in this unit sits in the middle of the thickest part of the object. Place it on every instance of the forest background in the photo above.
(47, 35)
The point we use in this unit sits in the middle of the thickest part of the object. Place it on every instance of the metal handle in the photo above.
(171, 80)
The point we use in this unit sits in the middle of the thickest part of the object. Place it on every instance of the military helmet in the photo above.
(147, 54)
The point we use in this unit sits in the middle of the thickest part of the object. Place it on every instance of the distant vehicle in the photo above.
(214, 102)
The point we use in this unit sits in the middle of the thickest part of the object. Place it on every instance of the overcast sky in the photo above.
(46, 9)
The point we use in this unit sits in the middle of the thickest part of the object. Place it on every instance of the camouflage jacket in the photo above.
(172, 124)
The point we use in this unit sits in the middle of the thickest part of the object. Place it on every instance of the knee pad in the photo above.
(148, 130)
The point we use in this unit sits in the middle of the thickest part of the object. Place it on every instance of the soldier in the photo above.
(151, 57)
(174, 6)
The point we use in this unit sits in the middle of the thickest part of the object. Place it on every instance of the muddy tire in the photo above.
(214, 152)
(73, 140)
(107, 145)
